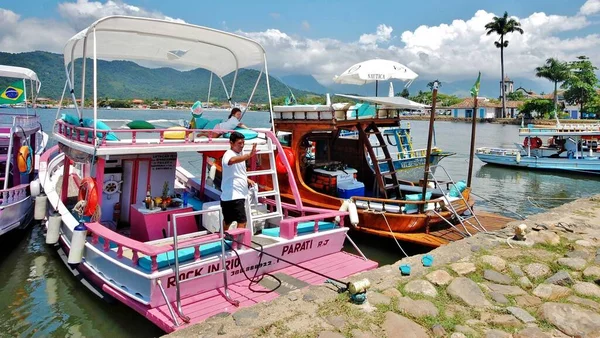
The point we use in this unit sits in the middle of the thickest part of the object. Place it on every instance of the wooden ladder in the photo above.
(388, 189)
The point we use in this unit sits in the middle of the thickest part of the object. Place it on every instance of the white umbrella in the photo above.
(374, 71)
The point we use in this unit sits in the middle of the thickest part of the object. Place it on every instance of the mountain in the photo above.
(305, 82)
(128, 80)
(461, 88)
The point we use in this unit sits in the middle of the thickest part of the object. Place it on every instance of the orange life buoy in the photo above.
(24, 160)
(536, 142)
(88, 191)
(289, 154)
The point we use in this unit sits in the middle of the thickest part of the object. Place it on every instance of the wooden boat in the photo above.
(125, 249)
(568, 147)
(21, 144)
(385, 210)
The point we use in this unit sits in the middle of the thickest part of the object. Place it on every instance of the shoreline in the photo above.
(482, 286)
(515, 121)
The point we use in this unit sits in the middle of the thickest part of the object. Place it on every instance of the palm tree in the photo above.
(555, 71)
(502, 26)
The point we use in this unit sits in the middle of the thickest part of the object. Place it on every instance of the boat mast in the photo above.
(209, 87)
(429, 140)
(472, 153)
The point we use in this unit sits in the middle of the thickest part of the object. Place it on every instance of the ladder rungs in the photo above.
(391, 186)
(264, 152)
(267, 193)
(260, 172)
(372, 132)
(378, 146)
(381, 160)
(266, 216)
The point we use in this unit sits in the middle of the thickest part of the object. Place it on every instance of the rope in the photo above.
(498, 205)
(230, 238)
(382, 213)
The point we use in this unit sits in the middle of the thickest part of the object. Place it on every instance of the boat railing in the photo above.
(13, 195)
(20, 121)
(104, 236)
(390, 205)
(497, 151)
(327, 113)
(135, 136)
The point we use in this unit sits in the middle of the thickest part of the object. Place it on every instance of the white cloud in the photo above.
(82, 13)
(305, 25)
(590, 7)
(22, 35)
(383, 34)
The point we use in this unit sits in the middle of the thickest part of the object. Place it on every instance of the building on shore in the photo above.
(486, 108)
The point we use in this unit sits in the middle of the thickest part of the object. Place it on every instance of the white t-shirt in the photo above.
(234, 184)
(230, 124)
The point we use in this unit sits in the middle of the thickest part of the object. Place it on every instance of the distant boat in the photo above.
(568, 148)
(108, 108)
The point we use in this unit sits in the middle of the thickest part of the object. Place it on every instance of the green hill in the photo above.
(128, 80)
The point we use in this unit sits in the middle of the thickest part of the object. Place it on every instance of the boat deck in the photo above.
(443, 234)
(207, 304)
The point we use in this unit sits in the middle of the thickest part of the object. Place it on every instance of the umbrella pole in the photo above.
(376, 87)
(429, 140)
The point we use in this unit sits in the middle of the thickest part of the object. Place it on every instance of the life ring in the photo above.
(88, 191)
(536, 142)
(289, 154)
(24, 160)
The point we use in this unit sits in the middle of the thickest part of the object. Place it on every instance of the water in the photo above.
(40, 298)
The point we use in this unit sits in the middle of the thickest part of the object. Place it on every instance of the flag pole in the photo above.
(475, 93)
(429, 140)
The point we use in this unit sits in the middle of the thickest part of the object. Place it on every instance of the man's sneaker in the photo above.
(233, 225)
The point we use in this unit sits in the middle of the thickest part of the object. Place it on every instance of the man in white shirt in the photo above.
(234, 183)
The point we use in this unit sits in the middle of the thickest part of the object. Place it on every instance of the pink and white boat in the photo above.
(21, 144)
(128, 250)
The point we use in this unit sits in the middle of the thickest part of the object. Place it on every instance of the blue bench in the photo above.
(185, 254)
(304, 228)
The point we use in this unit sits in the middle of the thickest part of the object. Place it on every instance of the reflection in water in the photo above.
(39, 297)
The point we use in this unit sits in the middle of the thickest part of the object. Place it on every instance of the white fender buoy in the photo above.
(431, 185)
(213, 172)
(343, 208)
(77, 244)
(35, 187)
(518, 158)
(353, 213)
(53, 230)
(39, 211)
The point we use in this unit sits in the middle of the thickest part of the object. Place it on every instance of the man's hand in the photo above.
(253, 151)
(251, 183)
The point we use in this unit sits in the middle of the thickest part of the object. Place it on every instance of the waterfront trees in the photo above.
(555, 71)
(503, 26)
(582, 83)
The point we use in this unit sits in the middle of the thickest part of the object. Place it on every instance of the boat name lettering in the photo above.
(293, 248)
(230, 264)
(413, 163)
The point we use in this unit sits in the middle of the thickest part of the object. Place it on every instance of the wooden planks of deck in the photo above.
(207, 304)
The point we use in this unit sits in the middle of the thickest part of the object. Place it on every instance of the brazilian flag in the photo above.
(13, 93)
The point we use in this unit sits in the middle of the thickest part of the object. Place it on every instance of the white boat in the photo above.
(21, 143)
(569, 147)
(125, 249)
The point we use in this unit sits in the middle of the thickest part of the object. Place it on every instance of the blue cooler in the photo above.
(351, 188)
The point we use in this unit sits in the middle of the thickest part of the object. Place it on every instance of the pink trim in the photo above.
(64, 192)
(100, 231)
(99, 178)
(45, 157)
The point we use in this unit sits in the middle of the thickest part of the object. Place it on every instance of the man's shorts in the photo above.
(234, 210)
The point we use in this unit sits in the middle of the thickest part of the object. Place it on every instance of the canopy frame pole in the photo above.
(226, 91)
(209, 88)
(83, 67)
(252, 94)
(269, 93)
(95, 79)
(25, 93)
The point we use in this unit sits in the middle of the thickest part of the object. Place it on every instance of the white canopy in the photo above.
(375, 70)
(160, 41)
(396, 102)
(20, 73)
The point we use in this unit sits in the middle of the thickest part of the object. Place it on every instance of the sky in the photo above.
(439, 39)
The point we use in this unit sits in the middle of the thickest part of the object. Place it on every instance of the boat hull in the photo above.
(564, 164)
(16, 215)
